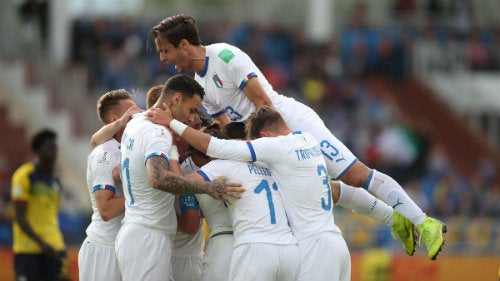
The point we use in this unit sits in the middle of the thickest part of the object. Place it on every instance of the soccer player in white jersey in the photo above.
(187, 256)
(299, 170)
(264, 246)
(144, 243)
(189, 241)
(96, 258)
(235, 87)
(219, 248)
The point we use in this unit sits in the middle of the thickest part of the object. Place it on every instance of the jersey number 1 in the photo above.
(125, 167)
(264, 185)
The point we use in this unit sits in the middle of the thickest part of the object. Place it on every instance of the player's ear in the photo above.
(112, 118)
(184, 44)
(264, 134)
(177, 99)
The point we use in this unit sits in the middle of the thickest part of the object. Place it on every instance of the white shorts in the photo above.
(324, 257)
(143, 253)
(187, 268)
(218, 258)
(97, 261)
(300, 117)
(265, 262)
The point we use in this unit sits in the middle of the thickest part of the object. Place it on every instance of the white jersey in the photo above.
(215, 213)
(145, 205)
(259, 216)
(228, 69)
(298, 168)
(188, 166)
(100, 164)
(219, 249)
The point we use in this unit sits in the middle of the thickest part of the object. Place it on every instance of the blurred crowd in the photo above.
(329, 76)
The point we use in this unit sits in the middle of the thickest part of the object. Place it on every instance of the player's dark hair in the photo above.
(109, 101)
(182, 84)
(235, 130)
(215, 132)
(206, 120)
(214, 126)
(174, 29)
(39, 139)
(265, 118)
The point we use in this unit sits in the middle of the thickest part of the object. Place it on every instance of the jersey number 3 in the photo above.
(322, 172)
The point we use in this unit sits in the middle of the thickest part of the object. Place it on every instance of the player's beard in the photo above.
(177, 112)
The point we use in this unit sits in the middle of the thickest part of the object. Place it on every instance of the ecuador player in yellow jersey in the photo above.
(38, 242)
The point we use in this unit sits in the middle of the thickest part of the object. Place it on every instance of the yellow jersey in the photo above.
(42, 198)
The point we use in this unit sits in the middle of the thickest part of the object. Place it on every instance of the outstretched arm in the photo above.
(105, 133)
(225, 149)
(163, 179)
(197, 139)
(108, 131)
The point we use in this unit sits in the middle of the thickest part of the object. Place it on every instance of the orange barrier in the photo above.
(7, 268)
(365, 267)
(7, 263)
(447, 268)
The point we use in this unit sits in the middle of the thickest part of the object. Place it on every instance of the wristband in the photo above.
(173, 154)
(177, 126)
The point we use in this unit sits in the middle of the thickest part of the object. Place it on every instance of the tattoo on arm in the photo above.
(163, 179)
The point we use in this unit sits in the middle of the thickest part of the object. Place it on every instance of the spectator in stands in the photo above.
(404, 9)
(39, 248)
(36, 13)
(463, 13)
(477, 54)
(434, 9)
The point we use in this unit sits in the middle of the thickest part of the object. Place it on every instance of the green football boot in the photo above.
(403, 229)
(431, 232)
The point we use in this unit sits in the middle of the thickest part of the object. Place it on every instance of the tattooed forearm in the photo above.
(163, 179)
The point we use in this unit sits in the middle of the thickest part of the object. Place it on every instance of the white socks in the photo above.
(361, 201)
(388, 190)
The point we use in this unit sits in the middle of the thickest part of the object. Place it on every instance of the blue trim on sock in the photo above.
(368, 180)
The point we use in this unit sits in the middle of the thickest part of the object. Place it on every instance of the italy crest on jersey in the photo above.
(217, 81)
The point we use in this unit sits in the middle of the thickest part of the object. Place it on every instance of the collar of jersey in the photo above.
(204, 72)
(139, 114)
(297, 133)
